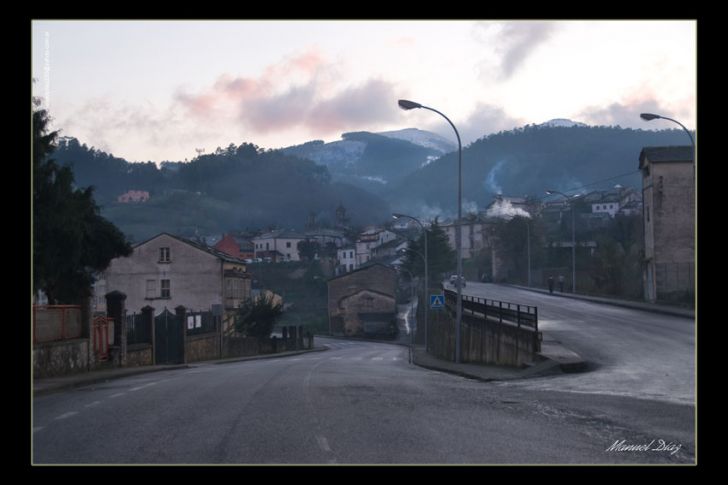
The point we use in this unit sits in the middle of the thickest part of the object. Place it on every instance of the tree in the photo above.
(308, 249)
(441, 257)
(256, 318)
(71, 241)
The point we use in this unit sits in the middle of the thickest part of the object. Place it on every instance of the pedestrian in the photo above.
(551, 284)
(561, 283)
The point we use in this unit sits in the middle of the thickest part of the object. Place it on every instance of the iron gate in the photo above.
(168, 339)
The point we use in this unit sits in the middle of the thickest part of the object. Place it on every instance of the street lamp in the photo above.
(528, 250)
(427, 281)
(407, 105)
(652, 116)
(573, 237)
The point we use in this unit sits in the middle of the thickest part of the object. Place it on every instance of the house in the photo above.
(475, 234)
(362, 302)
(346, 260)
(133, 196)
(326, 236)
(169, 271)
(279, 245)
(668, 188)
(370, 239)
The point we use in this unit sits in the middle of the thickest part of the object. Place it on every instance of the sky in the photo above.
(156, 90)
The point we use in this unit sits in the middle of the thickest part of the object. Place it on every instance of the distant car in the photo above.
(454, 278)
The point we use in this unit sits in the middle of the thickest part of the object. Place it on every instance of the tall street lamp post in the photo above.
(573, 237)
(427, 281)
(407, 105)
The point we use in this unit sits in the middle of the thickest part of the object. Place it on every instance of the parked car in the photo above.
(454, 278)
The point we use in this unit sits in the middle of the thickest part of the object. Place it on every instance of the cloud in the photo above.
(299, 92)
(624, 113)
(486, 119)
(513, 42)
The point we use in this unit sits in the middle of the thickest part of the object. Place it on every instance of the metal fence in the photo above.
(497, 311)
(201, 322)
(138, 329)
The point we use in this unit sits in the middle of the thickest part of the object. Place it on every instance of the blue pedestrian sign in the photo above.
(437, 301)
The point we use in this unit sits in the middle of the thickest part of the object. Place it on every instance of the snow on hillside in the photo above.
(423, 138)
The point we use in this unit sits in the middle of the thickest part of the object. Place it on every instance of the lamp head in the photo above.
(649, 116)
(406, 104)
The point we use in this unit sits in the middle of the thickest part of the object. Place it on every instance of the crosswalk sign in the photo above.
(437, 301)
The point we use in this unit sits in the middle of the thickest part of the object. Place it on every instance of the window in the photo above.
(151, 288)
(266, 247)
(164, 255)
(166, 289)
(288, 244)
(351, 254)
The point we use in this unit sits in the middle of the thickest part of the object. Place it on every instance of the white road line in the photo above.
(295, 359)
(395, 358)
(377, 358)
(335, 358)
(66, 415)
(92, 404)
(117, 394)
(142, 387)
(38, 428)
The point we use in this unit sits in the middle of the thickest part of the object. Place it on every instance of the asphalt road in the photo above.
(359, 402)
(630, 352)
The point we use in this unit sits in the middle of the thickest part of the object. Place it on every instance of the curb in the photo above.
(96, 380)
(677, 312)
(355, 339)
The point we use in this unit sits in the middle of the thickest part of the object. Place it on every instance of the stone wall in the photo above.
(139, 354)
(205, 346)
(59, 358)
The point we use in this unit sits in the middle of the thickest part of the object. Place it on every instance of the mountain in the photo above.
(528, 161)
(561, 122)
(374, 161)
(229, 189)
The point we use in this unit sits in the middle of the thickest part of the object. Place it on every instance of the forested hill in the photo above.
(237, 187)
(527, 161)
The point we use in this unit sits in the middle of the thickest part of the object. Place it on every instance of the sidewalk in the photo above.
(52, 384)
(637, 305)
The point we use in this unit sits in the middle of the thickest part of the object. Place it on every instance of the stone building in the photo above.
(169, 271)
(668, 193)
(362, 302)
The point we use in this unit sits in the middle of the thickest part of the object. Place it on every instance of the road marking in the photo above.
(377, 358)
(335, 358)
(356, 358)
(395, 358)
(295, 359)
(117, 394)
(142, 387)
(90, 405)
(67, 415)
(38, 428)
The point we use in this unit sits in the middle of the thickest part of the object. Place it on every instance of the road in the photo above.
(631, 352)
(358, 402)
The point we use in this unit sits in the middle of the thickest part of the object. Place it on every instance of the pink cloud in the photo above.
(272, 102)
